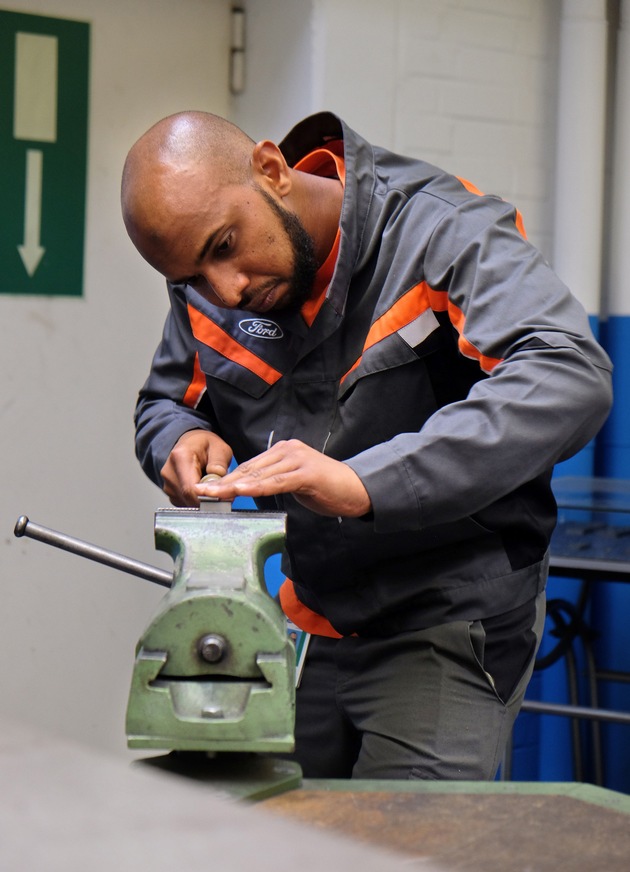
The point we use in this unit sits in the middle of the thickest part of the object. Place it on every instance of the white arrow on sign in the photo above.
(34, 120)
(31, 251)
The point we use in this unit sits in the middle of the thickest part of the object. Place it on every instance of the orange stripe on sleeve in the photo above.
(197, 386)
(518, 218)
(486, 363)
(520, 225)
(458, 320)
(211, 334)
(473, 189)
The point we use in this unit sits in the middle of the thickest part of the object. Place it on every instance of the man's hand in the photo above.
(320, 483)
(195, 454)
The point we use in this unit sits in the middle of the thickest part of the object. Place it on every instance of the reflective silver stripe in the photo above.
(417, 330)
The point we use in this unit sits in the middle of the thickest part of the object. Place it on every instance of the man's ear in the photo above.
(269, 167)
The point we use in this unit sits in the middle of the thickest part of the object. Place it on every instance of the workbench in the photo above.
(68, 808)
(473, 826)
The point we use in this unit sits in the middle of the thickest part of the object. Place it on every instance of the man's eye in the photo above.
(224, 246)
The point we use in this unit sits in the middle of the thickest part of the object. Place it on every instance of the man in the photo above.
(394, 366)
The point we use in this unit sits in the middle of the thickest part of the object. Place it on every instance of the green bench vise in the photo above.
(215, 668)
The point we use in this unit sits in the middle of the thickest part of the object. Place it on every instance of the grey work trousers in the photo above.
(415, 705)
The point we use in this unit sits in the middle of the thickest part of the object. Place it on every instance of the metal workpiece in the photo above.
(212, 504)
(215, 669)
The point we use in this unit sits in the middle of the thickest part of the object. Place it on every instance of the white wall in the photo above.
(71, 369)
(467, 84)
(280, 67)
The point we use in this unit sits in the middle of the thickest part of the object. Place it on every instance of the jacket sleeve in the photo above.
(173, 399)
(547, 394)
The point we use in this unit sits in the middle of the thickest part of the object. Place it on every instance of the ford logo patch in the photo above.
(262, 328)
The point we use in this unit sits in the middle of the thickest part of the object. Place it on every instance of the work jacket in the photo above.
(446, 364)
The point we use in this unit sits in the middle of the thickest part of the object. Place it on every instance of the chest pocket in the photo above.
(246, 353)
(390, 344)
(388, 393)
(397, 385)
(249, 374)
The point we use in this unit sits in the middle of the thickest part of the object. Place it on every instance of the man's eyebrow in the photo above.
(207, 245)
(204, 250)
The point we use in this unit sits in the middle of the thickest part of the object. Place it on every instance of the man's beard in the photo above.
(305, 264)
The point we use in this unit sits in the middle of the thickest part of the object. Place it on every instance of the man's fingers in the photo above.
(256, 480)
(318, 482)
(196, 453)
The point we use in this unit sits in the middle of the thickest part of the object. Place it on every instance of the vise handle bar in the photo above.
(24, 527)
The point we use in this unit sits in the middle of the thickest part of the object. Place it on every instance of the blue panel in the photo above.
(611, 601)
(543, 746)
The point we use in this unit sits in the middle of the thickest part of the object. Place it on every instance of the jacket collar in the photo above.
(315, 132)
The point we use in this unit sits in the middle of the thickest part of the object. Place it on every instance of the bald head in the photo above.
(208, 207)
(179, 149)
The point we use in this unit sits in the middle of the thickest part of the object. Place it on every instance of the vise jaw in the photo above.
(215, 669)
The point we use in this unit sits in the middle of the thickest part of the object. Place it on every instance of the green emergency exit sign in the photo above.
(44, 72)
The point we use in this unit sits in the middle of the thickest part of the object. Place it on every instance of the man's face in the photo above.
(236, 245)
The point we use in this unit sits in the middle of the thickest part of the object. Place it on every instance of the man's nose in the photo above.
(227, 285)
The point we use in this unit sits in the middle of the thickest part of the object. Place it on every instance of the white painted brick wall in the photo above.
(475, 94)
(466, 84)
